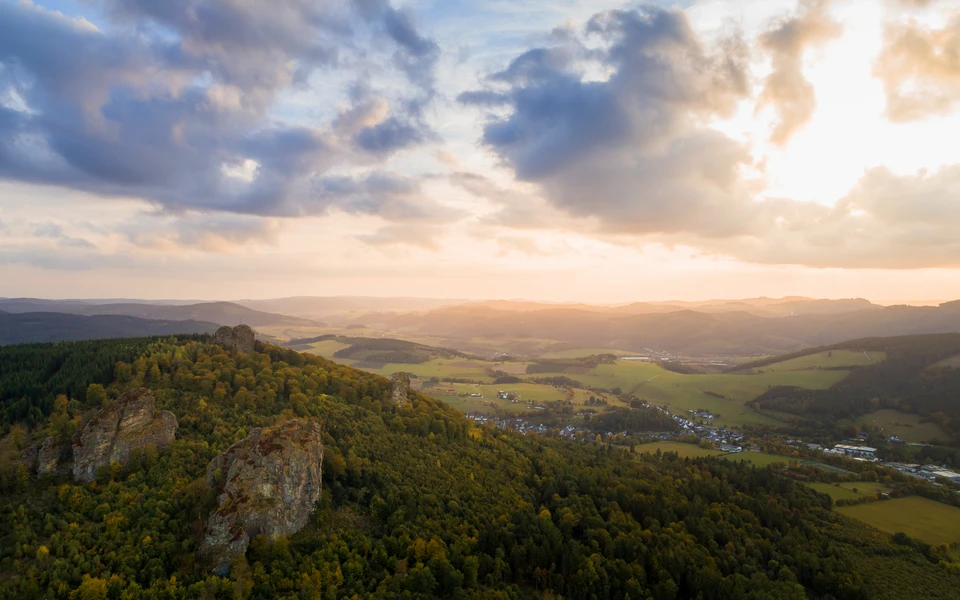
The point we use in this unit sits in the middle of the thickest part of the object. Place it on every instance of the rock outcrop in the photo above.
(51, 456)
(236, 339)
(400, 388)
(268, 483)
(131, 422)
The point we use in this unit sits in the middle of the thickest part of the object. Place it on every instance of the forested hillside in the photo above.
(419, 503)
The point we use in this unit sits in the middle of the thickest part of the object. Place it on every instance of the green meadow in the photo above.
(684, 450)
(849, 490)
(489, 403)
(920, 518)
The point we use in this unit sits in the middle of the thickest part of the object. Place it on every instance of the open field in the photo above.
(908, 427)
(920, 518)
(578, 352)
(327, 348)
(832, 360)
(757, 459)
(953, 361)
(526, 392)
(849, 490)
(681, 393)
(452, 368)
(684, 450)
(835, 492)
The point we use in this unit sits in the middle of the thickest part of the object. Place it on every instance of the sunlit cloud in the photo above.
(511, 141)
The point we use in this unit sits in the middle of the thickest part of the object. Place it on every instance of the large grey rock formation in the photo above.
(400, 388)
(237, 339)
(52, 456)
(131, 422)
(268, 483)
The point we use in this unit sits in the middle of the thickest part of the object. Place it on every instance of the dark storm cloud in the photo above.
(172, 102)
(630, 149)
(786, 89)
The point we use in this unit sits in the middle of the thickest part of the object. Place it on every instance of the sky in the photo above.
(564, 150)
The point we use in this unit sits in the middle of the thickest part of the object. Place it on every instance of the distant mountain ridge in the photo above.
(26, 328)
(746, 327)
(682, 331)
(223, 313)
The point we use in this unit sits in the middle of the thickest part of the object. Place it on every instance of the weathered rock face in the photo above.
(51, 456)
(237, 339)
(132, 422)
(400, 388)
(268, 483)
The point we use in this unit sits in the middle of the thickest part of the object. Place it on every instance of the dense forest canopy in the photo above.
(33, 375)
(419, 503)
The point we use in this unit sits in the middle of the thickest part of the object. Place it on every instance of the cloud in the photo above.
(920, 70)
(416, 55)
(516, 208)
(887, 221)
(612, 126)
(387, 195)
(217, 233)
(786, 89)
(55, 232)
(172, 102)
(631, 150)
(407, 235)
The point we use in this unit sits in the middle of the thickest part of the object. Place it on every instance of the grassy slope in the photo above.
(828, 359)
(907, 426)
(932, 522)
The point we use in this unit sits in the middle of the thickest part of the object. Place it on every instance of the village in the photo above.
(719, 438)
